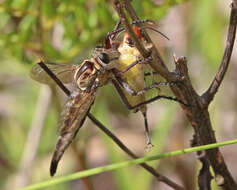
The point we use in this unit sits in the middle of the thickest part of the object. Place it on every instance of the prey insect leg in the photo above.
(111, 35)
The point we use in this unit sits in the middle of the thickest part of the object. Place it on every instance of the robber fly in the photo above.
(86, 79)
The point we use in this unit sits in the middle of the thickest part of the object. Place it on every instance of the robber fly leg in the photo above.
(154, 85)
(124, 84)
(109, 39)
(148, 138)
(140, 61)
(130, 107)
(121, 82)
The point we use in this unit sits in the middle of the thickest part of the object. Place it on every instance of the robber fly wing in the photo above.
(71, 120)
(64, 72)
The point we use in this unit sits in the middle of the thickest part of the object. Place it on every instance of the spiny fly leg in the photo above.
(124, 84)
(154, 85)
(140, 61)
(142, 108)
(147, 131)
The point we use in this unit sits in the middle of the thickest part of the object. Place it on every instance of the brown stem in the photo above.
(197, 112)
(199, 118)
(212, 90)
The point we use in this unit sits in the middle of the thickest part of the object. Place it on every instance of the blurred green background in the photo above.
(67, 31)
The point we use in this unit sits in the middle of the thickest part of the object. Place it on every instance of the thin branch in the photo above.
(55, 78)
(158, 176)
(197, 113)
(212, 90)
(110, 134)
(200, 120)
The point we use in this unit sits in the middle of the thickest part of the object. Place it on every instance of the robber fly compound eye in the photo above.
(98, 47)
(104, 57)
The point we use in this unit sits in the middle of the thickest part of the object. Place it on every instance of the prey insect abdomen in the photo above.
(134, 76)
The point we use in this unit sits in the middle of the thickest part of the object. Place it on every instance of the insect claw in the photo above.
(148, 147)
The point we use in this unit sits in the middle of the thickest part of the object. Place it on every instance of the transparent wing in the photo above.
(74, 110)
(64, 72)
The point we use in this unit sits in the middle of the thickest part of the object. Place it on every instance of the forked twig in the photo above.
(151, 170)
(212, 90)
(197, 113)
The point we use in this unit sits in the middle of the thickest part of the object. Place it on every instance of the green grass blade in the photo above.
(125, 164)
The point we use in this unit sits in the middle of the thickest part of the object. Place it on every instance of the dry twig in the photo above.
(197, 113)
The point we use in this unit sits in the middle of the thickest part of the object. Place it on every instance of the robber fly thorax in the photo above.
(96, 71)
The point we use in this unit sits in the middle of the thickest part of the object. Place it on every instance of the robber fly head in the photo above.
(91, 73)
(105, 57)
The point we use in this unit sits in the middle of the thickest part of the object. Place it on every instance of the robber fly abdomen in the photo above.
(71, 120)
